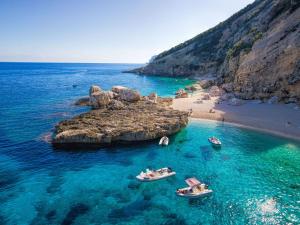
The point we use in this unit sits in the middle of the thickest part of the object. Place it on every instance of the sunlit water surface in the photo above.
(255, 177)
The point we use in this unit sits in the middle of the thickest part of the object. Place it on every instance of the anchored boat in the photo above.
(215, 141)
(152, 175)
(164, 141)
(196, 189)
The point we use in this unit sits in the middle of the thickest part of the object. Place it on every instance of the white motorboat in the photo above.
(164, 141)
(196, 189)
(152, 175)
(215, 141)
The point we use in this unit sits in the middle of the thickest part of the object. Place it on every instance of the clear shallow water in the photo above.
(255, 176)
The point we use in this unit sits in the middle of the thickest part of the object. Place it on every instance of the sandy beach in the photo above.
(279, 119)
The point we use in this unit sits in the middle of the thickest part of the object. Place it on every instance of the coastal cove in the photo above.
(254, 176)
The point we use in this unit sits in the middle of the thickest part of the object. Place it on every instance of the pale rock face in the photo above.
(153, 97)
(94, 89)
(100, 99)
(206, 83)
(118, 89)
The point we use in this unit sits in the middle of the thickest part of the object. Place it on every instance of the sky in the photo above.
(108, 31)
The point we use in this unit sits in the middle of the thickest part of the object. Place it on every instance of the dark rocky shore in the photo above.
(121, 115)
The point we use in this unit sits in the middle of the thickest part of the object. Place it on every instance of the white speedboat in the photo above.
(152, 175)
(215, 141)
(164, 141)
(196, 189)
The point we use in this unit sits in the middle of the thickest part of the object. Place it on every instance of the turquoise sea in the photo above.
(255, 176)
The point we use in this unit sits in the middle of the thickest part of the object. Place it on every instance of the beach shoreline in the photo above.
(278, 119)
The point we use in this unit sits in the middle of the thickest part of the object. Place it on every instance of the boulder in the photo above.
(94, 89)
(112, 94)
(226, 96)
(100, 99)
(137, 121)
(228, 87)
(215, 91)
(206, 83)
(235, 102)
(212, 111)
(116, 105)
(206, 97)
(153, 97)
(118, 89)
(273, 100)
(129, 95)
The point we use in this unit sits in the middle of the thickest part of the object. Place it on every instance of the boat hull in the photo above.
(142, 179)
(202, 194)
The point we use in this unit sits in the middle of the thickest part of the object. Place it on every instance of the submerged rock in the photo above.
(74, 212)
(120, 120)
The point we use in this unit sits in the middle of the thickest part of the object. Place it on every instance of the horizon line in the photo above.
(71, 62)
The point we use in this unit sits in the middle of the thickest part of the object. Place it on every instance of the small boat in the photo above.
(196, 189)
(215, 141)
(152, 175)
(164, 141)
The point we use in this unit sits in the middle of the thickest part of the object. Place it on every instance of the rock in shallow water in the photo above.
(123, 122)
(74, 212)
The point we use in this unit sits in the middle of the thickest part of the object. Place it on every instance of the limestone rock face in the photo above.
(119, 120)
(256, 52)
(100, 99)
(153, 97)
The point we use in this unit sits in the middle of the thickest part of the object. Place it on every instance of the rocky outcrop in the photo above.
(118, 120)
(256, 51)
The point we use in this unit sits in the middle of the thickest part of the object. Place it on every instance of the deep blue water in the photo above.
(255, 177)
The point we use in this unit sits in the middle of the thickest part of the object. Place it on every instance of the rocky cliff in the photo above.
(256, 52)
